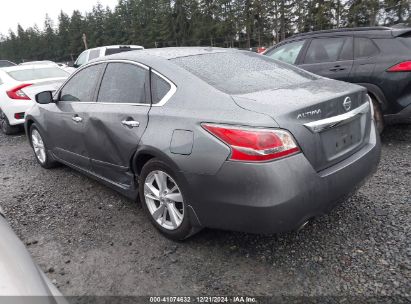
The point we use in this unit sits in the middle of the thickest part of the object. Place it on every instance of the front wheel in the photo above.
(163, 200)
(40, 149)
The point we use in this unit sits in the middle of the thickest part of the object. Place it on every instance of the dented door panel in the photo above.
(110, 142)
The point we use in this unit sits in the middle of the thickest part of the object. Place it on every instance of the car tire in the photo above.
(158, 207)
(378, 116)
(5, 126)
(40, 149)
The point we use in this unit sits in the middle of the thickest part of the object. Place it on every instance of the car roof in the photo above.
(372, 32)
(167, 53)
(27, 67)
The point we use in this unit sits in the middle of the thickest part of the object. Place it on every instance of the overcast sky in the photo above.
(30, 12)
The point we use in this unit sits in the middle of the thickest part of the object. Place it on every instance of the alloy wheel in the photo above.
(38, 146)
(164, 200)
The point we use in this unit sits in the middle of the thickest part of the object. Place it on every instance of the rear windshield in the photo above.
(242, 72)
(34, 74)
(120, 50)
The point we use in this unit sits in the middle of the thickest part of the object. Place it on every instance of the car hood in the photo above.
(19, 276)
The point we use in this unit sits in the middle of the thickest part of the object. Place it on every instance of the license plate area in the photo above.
(343, 139)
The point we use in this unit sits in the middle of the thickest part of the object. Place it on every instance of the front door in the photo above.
(66, 119)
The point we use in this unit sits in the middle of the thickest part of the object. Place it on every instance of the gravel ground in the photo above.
(92, 241)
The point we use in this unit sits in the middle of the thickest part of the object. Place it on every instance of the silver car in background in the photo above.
(22, 281)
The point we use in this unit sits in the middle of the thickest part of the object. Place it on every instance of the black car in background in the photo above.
(6, 64)
(378, 58)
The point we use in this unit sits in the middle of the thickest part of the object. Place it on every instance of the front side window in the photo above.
(364, 48)
(82, 85)
(123, 83)
(324, 50)
(287, 53)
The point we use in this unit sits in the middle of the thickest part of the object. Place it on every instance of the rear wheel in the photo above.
(378, 116)
(40, 149)
(5, 126)
(163, 200)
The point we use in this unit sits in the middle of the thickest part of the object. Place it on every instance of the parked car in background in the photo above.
(6, 63)
(40, 62)
(43, 62)
(19, 276)
(378, 58)
(94, 53)
(18, 87)
(210, 137)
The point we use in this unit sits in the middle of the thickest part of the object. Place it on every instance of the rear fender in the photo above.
(377, 92)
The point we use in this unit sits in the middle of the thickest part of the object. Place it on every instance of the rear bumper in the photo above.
(404, 116)
(277, 196)
(14, 107)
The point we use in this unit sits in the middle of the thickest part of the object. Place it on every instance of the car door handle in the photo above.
(131, 123)
(337, 68)
(77, 119)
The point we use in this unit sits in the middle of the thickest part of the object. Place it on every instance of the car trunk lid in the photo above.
(329, 119)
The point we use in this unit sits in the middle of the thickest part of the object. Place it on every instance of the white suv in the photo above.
(91, 54)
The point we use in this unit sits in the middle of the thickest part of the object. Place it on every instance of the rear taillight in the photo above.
(401, 67)
(254, 144)
(17, 93)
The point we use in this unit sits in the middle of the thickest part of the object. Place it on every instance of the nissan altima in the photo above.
(210, 137)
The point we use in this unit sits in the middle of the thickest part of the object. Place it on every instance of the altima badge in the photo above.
(309, 114)
(347, 104)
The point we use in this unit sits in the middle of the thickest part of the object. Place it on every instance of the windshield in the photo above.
(242, 72)
(34, 74)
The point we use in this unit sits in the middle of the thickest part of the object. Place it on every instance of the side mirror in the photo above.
(45, 97)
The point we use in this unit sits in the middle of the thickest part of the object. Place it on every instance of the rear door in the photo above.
(330, 57)
(365, 53)
(118, 120)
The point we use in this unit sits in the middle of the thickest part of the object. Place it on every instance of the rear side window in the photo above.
(347, 52)
(287, 53)
(94, 54)
(242, 72)
(41, 73)
(123, 83)
(324, 50)
(112, 51)
(82, 85)
(159, 88)
(364, 48)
